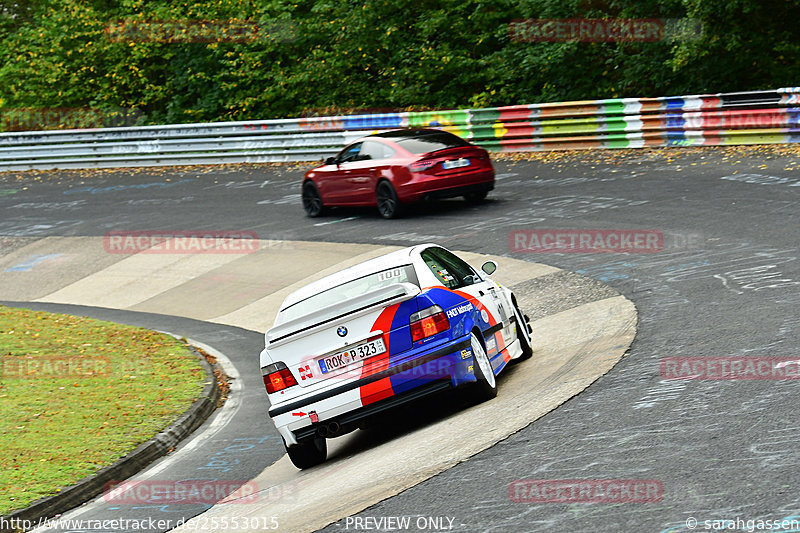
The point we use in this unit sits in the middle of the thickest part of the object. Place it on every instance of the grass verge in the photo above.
(78, 394)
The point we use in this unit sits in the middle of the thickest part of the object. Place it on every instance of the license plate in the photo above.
(455, 163)
(351, 355)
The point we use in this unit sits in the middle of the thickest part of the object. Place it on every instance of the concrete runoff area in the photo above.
(242, 290)
(572, 348)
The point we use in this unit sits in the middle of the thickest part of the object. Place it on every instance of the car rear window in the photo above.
(340, 293)
(431, 142)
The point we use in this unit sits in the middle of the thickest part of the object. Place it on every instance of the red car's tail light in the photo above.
(428, 322)
(422, 164)
(277, 377)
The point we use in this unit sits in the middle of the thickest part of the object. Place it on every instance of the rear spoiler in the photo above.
(442, 152)
(356, 305)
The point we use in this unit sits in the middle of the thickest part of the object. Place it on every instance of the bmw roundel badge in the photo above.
(342, 331)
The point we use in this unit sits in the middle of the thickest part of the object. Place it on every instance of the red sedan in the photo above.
(394, 168)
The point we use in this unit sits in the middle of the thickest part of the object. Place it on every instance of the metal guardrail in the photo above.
(757, 117)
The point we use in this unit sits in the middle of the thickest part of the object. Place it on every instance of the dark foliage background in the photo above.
(317, 57)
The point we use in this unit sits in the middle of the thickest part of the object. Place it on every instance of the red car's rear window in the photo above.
(431, 142)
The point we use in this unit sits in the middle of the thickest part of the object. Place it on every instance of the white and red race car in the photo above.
(382, 333)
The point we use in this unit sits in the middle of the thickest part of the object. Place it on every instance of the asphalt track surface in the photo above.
(727, 283)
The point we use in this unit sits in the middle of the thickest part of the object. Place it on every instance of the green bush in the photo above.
(320, 56)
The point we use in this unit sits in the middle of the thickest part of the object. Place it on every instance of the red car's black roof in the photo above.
(409, 134)
(420, 141)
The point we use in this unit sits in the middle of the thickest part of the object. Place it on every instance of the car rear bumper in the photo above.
(341, 408)
(345, 423)
(425, 186)
(458, 191)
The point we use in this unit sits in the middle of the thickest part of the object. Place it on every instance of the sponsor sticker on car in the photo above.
(352, 355)
(454, 312)
(455, 163)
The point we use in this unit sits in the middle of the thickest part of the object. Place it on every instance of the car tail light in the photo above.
(422, 164)
(277, 377)
(428, 322)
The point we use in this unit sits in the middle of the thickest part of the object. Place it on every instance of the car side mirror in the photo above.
(330, 161)
(489, 267)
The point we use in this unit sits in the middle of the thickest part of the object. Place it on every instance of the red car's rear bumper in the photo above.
(425, 186)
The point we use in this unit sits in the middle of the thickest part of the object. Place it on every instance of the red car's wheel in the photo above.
(312, 201)
(389, 205)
